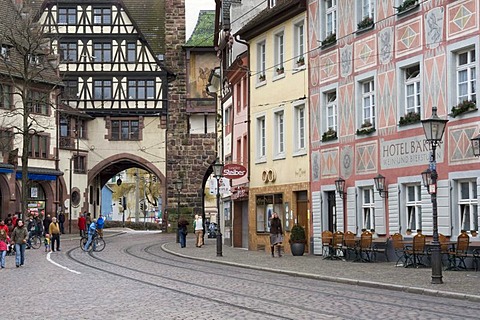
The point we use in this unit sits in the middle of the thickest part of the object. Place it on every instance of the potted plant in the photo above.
(409, 118)
(297, 240)
(366, 23)
(329, 135)
(462, 107)
(261, 77)
(407, 5)
(280, 70)
(330, 39)
(366, 128)
(301, 61)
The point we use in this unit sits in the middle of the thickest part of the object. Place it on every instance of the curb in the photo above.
(361, 283)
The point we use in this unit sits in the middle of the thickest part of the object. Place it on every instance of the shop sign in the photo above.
(239, 193)
(234, 171)
(401, 153)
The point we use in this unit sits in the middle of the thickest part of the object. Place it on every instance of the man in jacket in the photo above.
(19, 238)
(61, 221)
(54, 230)
(46, 223)
(100, 225)
(92, 229)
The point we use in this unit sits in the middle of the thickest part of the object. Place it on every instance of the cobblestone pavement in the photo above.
(457, 284)
(135, 278)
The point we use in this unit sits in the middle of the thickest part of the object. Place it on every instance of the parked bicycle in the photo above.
(97, 244)
(34, 241)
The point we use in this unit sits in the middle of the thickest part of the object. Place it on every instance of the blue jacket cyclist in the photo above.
(91, 232)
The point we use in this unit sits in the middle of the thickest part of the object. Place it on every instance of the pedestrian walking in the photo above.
(82, 225)
(61, 221)
(54, 231)
(182, 232)
(3, 226)
(92, 229)
(100, 225)
(19, 238)
(46, 242)
(199, 231)
(276, 235)
(46, 223)
(3, 247)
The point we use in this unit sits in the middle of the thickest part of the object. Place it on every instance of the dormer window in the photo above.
(272, 3)
(5, 52)
(35, 60)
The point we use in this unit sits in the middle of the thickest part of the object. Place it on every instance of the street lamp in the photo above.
(476, 145)
(380, 185)
(434, 128)
(340, 187)
(218, 174)
(178, 187)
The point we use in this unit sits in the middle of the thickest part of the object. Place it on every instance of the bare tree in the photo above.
(33, 82)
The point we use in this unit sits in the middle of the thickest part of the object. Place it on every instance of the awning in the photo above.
(39, 174)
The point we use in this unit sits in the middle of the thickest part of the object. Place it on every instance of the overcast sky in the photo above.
(192, 8)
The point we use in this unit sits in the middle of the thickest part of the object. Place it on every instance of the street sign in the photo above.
(234, 171)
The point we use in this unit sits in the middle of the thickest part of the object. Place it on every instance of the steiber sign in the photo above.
(234, 171)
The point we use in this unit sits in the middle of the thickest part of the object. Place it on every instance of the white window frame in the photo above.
(261, 61)
(330, 8)
(261, 145)
(331, 110)
(279, 53)
(413, 82)
(272, 3)
(413, 206)
(300, 129)
(468, 206)
(299, 44)
(368, 208)
(368, 101)
(469, 68)
(367, 9)
(279, 145)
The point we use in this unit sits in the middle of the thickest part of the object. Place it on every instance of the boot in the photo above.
(279, 249)
(273, 251)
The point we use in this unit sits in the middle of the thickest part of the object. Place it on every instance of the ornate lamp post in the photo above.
(340, 188)
(218, 174)
(380, 185)
(178, 187)
(434, 128)
(476, 145)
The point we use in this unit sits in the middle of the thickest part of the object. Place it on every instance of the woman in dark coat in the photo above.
(276, 235)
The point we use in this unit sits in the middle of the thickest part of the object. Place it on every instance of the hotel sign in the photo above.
(407, 152)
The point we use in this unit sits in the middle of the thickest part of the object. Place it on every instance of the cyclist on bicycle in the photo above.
(92, 230)
(35, 228)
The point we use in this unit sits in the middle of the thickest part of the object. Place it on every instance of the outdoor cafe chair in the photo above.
(444, 247)
(415, 253)
(350, 244)
(327, 237)
(365, 249)
(398, 247)
(337, 245)
(459, 251)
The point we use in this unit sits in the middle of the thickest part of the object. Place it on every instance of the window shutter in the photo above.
(351, 210)
(394, 209)
(317, 222)
(443, 208)
(380, 220)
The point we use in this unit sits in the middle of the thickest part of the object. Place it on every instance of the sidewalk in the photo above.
(457, 284)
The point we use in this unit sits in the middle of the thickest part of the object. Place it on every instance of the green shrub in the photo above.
(297, 234)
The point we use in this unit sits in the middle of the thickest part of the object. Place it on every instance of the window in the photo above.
(368, 209)
(331, 108)
(79, 164)
(330, 17)
(70, 91)
(299, 133)
(412, 89)
(125, 130)
(279, 53)
(131, 52)
(38, 147)
(466, 76)
(261, 62)
(468, 205)
(227, 120)
(266, 205)
(6, 141)
(102, 51)
(102, 16)
(35, 60)
(261, 139)
(368, 103)
(5, 96)
(68, 51)
(5, 52)
(81, 127)
(141, 89)
(272, 3)
(279, 134)
(299, 42)
(67, 16)
(413, 203)
(368, 9)
(102, 89)
(39, 102)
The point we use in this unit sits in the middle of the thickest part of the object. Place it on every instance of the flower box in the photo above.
(365, 24)
(329, 135)
(366, 128)
(280, 70)
(463, 107)
(407, 6)
(300, 61)
(261, 77)
(329, 40)
(409, 118)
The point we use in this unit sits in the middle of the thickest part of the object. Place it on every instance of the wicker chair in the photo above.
(398, 248)
(327, 237)
(350, 244)
(460, 252)
(337, 245)
(414, 254)
(365, 248)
